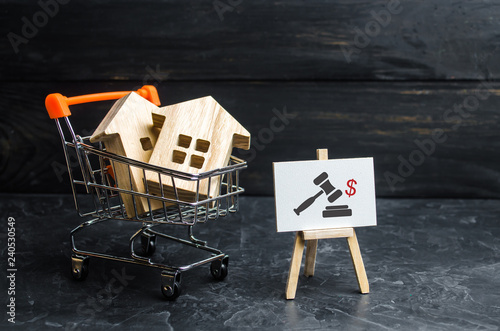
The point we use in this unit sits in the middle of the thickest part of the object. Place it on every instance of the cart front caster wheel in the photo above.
(148, 244)
(79, 267)
(171, 292)
(171, 284)
(218, 268)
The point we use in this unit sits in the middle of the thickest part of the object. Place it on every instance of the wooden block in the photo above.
(358, 264)
(328, 233)
(293, 273)
(196, 136)
(128, 130)
(322, 154)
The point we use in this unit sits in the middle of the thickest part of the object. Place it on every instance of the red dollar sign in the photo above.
(352, 190)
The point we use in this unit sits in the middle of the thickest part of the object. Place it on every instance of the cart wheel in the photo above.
(171, 292)
(171, 285)
(79, 267)
(148, 244)
(218, 268)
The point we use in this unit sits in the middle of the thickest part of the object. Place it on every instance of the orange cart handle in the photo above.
(57, 104)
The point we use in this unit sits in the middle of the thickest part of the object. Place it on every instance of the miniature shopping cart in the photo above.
(94, 183)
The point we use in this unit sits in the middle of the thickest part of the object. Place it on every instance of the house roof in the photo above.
(205, 117)
(130, 118)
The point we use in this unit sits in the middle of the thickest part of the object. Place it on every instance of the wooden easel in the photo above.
(312, 237)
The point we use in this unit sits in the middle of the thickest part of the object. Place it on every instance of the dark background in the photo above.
(399, 84)
(346, 83)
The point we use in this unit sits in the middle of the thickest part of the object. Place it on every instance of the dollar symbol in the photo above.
(352, 190)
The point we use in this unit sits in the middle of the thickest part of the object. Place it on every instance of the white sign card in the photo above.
(313, 195)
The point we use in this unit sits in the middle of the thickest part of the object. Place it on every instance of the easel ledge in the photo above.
(312, 237)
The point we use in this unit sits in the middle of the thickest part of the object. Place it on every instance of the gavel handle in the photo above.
(306, 204)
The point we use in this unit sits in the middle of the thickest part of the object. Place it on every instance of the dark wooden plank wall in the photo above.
(428, 69)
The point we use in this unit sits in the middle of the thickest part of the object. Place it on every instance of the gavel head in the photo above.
(323, 182)
(320, 179)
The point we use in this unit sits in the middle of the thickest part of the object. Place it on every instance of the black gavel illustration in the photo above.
(326, 187)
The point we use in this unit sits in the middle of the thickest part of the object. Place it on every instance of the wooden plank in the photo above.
(357, 262)
(295, 262)
(328, 233)
(257, 40)
(287, 121)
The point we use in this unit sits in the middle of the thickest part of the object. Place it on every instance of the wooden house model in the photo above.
(196, 136)
(192, 137)
(128, 130)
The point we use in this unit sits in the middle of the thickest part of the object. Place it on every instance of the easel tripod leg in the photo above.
(357, 261)
(312, 247)
(293, 274)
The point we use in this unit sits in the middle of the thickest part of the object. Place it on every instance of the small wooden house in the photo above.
(128, 130)
(196, 136)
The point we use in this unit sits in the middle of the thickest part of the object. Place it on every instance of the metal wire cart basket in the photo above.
(94, 183)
